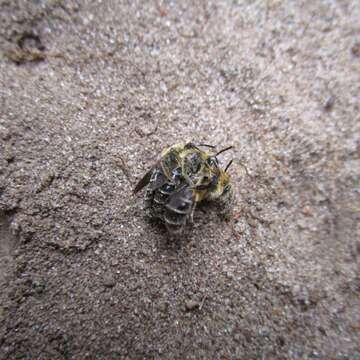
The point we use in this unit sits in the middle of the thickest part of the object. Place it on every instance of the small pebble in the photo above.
(355, 325)
(355, 50)
(241, 226)
(276, 312)
(114, 262)
(252, 222)
(306, 210)
(109, 281)
(163, 307)
(264, 332)
(329, 103)
(191, 305)
(4, 133)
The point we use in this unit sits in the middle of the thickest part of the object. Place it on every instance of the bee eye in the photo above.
(212, 161)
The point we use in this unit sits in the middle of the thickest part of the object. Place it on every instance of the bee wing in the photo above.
(154, 178)
(144, 181)
(157, 180)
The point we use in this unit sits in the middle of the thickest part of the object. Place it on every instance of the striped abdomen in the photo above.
(178, 209)
(157, 193)
(170, 201)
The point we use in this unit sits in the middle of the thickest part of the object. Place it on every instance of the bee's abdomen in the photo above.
(169, 200)
(177, 210)
(157, 194)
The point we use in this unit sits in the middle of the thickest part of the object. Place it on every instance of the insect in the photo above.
(184, 176)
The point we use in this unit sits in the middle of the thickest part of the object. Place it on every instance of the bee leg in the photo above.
(187, 179)
(185, 175)
(192, 211)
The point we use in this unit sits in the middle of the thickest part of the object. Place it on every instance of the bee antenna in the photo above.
(223, 150)
(209, 146)
(228, 165)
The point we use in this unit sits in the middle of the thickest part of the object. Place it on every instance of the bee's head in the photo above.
(213, 161)
(213, 177)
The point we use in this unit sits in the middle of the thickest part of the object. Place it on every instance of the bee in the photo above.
(184, 176)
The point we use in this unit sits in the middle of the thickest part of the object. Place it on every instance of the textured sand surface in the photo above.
(91, 92)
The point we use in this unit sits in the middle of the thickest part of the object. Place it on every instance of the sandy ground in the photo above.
(91, 92)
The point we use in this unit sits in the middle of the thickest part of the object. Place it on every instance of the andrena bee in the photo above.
(184, 176)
